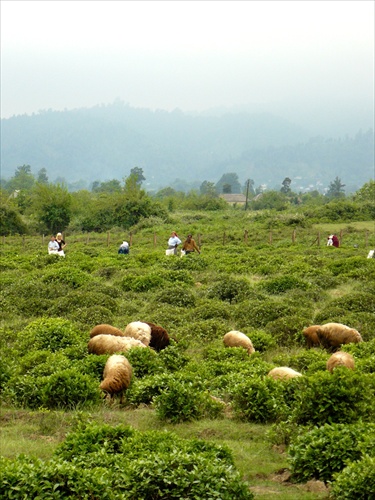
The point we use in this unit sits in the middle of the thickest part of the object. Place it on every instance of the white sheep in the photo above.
(139, 330)
(238, 339)
(116, 376)
(283, 373)
(109, 344)
(340, 358)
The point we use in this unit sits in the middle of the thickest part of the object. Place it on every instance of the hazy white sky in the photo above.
(191, 55)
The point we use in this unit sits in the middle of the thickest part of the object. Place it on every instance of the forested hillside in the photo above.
(105, 142)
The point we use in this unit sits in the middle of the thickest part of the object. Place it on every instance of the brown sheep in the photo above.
(340, 358)
(333, 335)
(238, 339)
(109, 344)
(105, 329)
(159, 337)
(283, 373)
(116, 376)
(139, 330)
(311, 336)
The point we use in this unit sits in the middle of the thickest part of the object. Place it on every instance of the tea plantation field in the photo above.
(199, 420)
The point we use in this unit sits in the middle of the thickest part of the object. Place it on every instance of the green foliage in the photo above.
(229, 290)
(259, 399)
(70, 389)
(262, 341)
(52, 204)
(182, 402)
(284, 283)
(52, 334)
(11, 221)
(66, 275)
(356, 481)
(323, 451)
(144, 362)
(287, 330)
(343, 396)
(177, 295)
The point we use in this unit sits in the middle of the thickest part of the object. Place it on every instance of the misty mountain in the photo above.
(106, 142)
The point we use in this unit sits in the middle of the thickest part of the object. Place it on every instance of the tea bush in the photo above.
(182, 402)
(283, 284)
(144, 362)
(70, 389)
(51, 334)
(262, 341)
(322, 451)
(259, 399)
(88, 317)
(177, 295)
(92, 365)
(287, 330)
(172, 357)
(356, 481)
(229, 290)
(74, 278)
(83, 299)
(343, 396)
(42, 363)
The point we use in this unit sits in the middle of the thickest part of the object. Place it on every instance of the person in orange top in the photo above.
(189, 245)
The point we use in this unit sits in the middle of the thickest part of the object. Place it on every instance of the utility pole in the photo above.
(247, 192)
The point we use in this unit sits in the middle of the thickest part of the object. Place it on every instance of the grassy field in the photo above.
(245, 264)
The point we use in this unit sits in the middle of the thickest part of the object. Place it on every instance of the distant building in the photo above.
(233, 199)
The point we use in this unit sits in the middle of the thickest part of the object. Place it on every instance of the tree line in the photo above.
(33, 205)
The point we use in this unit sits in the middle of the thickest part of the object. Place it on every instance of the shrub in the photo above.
(43, 363)
(176, 295)
(182, 402)
(74, 278)
(70, 389)
(94, 315)
(51, 334)
(356, 481)
(262, 341)
(83, 299)
(284, 283)
(144, 362)
(172, 358)
(259, 400)
(322, 451)
(287, 330)
(230, 290)
(343, 396)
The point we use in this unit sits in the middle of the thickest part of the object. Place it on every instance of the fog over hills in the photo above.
(180, 149)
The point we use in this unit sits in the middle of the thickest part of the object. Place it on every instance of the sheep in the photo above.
(283, 373)
(116, 376)
(333, 335)
(340, 358)
(159, 337)
(238, 339)
(109, 344)
(311, 337)
(106, 330)
(139, 330)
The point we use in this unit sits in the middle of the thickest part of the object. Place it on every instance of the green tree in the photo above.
(366, 193)
(52, 205)
(208, 188)
(138, 173)
(227, 188)
(42, 176)
(232, 180)
(112, 186)
(286, 186)
(23, 179)
(335, 189)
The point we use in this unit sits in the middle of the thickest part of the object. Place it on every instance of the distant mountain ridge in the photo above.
(106, 142)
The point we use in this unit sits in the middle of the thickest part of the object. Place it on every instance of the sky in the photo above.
(309, 60)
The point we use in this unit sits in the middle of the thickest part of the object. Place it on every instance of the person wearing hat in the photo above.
(124, 248)
(189, 245)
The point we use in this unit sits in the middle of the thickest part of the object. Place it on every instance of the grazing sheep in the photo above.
(139, 330)
(116, 376)
(238, 339)
(311, 337)
(109, 344)
(283, 373)
(159, 337)
(106, 330)
(333, 335)
(340, 358)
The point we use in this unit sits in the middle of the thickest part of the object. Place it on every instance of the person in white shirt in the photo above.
(173, 242)
(53, 246)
